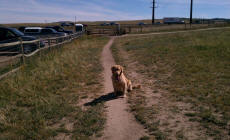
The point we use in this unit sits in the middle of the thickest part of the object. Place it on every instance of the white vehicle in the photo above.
(32, 30)
(79, 28)
(42, 32)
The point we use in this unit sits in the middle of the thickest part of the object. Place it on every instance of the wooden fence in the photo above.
(21, 55)
(103, 30)
(130, 29)
(135, 28)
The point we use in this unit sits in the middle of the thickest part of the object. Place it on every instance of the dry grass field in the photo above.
(45, 98)
(185, 83)
(185, 92)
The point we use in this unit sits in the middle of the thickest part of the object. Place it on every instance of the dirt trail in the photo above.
(121, 124)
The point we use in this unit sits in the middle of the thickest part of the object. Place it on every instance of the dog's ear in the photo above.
(112, 68)
(121, 69)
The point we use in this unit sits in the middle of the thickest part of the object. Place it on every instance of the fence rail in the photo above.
(135, 28)
(9, 44)
(20, 54)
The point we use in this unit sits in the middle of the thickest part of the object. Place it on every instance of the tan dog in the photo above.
(120, 82)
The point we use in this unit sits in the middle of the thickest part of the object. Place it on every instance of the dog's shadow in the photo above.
(103, 98)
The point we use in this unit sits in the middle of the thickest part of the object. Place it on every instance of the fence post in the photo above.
(22, 51)
(48, 43)
(39, 47)
(57, 42)
(11, 63)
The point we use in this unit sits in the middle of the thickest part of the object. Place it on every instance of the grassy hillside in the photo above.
(44, 99)
(193, 68)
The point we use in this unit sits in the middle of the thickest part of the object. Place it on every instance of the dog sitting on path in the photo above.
(120, 83)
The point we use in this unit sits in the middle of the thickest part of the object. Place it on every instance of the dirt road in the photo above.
(121, 124)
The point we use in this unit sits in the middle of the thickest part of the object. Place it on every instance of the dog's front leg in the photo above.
(114, 87)
(115, 91)
(124, 91)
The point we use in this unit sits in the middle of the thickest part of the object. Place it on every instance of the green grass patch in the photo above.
(193, 67)
(9, 67)
(48, 89)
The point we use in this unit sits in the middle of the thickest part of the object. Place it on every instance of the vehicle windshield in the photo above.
(32, 30)
(18, 33)
(53, 30)
(60, 29)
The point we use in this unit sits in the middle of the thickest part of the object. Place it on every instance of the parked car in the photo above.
(113, 23)
(66, 24)
(79, 28)
(60, 29)
(43, 32)
(71, 24)
(22, 29)
(141, 23)
(105, 24)
(11, 35)
(158, 23)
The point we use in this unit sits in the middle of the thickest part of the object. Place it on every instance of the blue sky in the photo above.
(21, 11)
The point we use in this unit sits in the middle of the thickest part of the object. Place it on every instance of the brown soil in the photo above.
(121, 124)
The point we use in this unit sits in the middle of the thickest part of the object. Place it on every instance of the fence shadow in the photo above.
(103, 98)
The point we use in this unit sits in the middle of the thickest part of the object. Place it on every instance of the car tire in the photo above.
(28, 49)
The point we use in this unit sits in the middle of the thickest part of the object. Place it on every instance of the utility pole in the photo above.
(191, 8)
(153, 13)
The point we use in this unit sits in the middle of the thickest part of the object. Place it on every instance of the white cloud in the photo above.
(86, 11)
(91, 10)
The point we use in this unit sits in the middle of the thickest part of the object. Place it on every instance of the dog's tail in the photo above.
(137, 87)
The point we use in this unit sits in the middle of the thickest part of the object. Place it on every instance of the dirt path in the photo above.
(121, 124)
